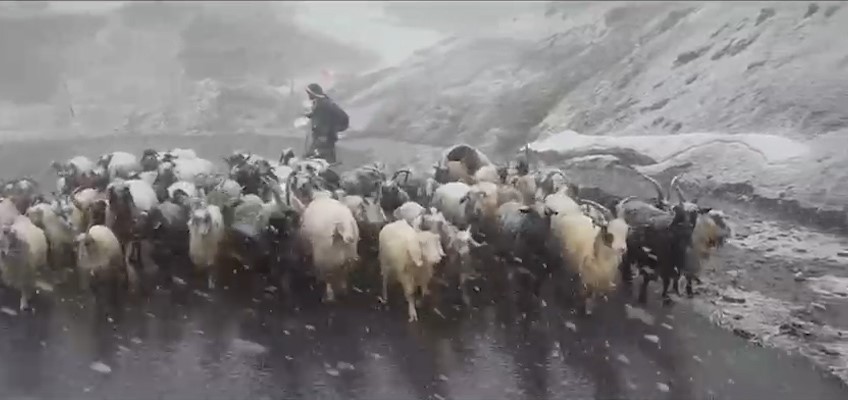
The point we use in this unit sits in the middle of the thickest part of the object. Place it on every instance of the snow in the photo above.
(772, 148)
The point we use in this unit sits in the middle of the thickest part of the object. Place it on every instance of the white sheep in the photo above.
(120, 164)
(408, 212)
(57, 228)
(206, 232)
(448, 200)
(189, 169)
(408, 256)
(8, 212)
(186, 187)
(562, 204)
(143, 196)
(457, 244)
(82, 201)
(592, 252)
(23, 257)
(100, 262)
(333, 236)
(487, 173)
(82, 164)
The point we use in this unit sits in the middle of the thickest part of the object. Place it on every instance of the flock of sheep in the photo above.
(296, 220)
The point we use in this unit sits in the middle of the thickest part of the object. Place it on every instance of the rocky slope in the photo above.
(636, 70)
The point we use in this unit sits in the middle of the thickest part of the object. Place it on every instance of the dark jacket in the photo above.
(323, 120)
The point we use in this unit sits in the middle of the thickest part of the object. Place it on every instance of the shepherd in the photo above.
(328, 119)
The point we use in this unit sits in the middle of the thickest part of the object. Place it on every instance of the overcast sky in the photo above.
(357, 22)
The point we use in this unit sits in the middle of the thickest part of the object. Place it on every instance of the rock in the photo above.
(827, 350)
(799, 277)
(817, 306)
(744, 334)
(733, 299)
(100, 367)
(842, 253)
(800, 251)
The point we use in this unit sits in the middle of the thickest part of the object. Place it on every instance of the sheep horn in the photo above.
(660, 196)
(289, 180)
(402, 171)
(619, 208)
(605, 211)
(676, 186)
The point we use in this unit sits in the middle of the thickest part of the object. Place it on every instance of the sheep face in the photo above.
(615, 235)
(201, 221)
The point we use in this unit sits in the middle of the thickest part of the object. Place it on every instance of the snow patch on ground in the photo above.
(772, 148)
(771, 322)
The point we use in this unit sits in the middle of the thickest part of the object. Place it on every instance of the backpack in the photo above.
(340, 116)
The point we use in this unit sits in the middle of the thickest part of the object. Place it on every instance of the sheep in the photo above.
(593, 251)
(364, 180)
(129, 205)
(481, 206)
(709, 233)
(23, 193)
(206, 231)
(487, 173)
(190, 169)
(524, 238)
(448, 199)
(408, 212)
(657, 244)
(23, 257)
(119, 164)
(333, 235)
(80, 214)
(471, 158)
(457, 244)
(391, 193)
(57, 228)
(8, 212)
(409, 256)
(187, 188)
(101, 265)
(370, 218)
(509, 193)
(550, 181)
(562, 203)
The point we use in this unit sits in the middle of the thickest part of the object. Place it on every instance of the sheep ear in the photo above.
(464, 198)
(524, 209)
(704, 210)
(88, 240)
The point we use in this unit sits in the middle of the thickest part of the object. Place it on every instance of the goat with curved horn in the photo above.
(676, 186)
(661, 197)
(603, 210)
(619, 208)
(402, 171)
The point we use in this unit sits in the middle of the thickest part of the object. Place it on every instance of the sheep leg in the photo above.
(666, 280)
(329, 295)
(463, 289)
(385, 298)
(675, 285)
(25, 295)
(689, 292)
(409, 293)
(626, 272)
(643, 289)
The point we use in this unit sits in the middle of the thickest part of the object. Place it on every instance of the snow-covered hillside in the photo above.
(630, 70)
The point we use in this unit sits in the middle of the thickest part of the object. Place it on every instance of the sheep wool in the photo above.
(408, 256)
(23, 256)
(333, 235)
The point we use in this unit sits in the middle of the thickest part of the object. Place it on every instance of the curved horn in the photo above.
(402, 171)
(289, 180)
(660, 195)
(605, 211)
(555, 172)
(619, 208)
(676, 186)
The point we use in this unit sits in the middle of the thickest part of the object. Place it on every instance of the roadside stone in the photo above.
(842, 253)
(744, 334)
(800, 251)
(799, 277)
(733, 299)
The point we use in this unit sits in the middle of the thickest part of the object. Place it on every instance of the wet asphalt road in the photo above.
(237, 344)
(182, 343)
